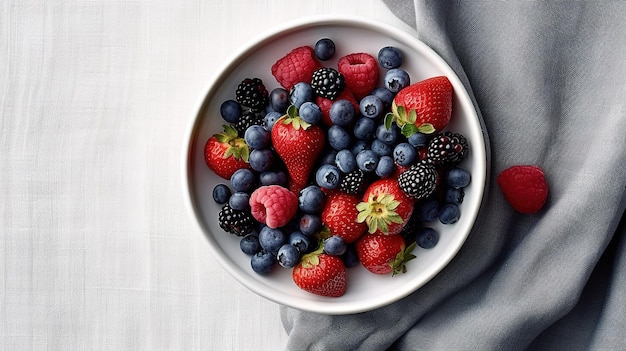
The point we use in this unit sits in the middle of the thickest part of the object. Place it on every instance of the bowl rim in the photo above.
(190, 139)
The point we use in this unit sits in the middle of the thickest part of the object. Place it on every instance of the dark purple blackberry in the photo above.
(354, 182)
(236, 222)
(447, 149)
(409, 231)
(328, 83)
(419, 181)
(252, 94)
(247, 119)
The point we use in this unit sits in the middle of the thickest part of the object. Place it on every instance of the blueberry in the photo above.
(288, 256)
(310, 224)
(335, 245)
(345, 161)
(454, 195)
(300, 241)
(429, 210)
(367, 160)
(249, 244)
(324, 49)
(380, 148)
(271, 118)
(371, 106)
(257, 137)
(230, 111)
(341, 112)
(261, 160)
(243, 180)
(458, 177)
(310, 112)
(359, 146)
(311, 199)
(221, 194)
(396, 79)
(404, 154)
(387, 136)
(385, 95)
(263, 262)
(300, 93)
(273, 178)
(279, 100)
(418, 139)
(364, 128)
(327, 176)
(350, 257)
(449, 213)
(427, 238)
(390, 57)
(385, 167)
(329, 157)
(338, 137)
(271, 239)
(239, 201)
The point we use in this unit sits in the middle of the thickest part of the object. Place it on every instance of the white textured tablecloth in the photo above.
(97, 251)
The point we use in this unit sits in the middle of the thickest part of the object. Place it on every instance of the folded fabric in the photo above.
(549, 81)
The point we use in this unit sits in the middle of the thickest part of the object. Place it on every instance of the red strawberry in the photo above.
(425, 106)
(383, 254)
(226, 152)
(361, 73)
(524, 187)
(326, 103)
(298, 144)
(339, 215)
(320, 274)
(385, 208)
(297, 66)
(273, 205)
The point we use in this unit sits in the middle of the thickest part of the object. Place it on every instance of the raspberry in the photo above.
(361, 73)
(297, 66)
(273, 205)
(524, 187)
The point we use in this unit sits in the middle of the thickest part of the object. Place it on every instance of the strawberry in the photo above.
(298, 144)
(320, 274)
(385, 208)
(326, 103)
(425, 106)
(296, 66)
(226, 152)
(361, 73)
(524, 187)
(339, 215)
(383, 254)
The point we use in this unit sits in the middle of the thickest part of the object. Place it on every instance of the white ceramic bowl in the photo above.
(365, 291)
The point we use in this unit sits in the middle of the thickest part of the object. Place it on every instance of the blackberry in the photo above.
(251, 93)
(354, 182)
(328, 83)
(447, 149)
(419, 181)
(409, 231)
(240, 223)
(247, 119)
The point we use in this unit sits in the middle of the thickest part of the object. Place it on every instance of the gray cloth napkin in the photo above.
(549, 80)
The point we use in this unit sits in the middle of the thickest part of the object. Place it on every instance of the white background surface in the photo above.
(97, 250)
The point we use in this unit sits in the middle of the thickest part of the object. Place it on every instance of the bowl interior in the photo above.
(365, 290)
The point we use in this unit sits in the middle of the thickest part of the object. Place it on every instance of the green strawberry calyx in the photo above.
(405, 120)
(378, 212)
(312, 259)
(398, 265)
(237, 147)
(292, 117)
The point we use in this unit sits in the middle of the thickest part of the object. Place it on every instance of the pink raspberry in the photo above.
(273, 205)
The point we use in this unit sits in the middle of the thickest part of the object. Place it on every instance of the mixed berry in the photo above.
(331, 168)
